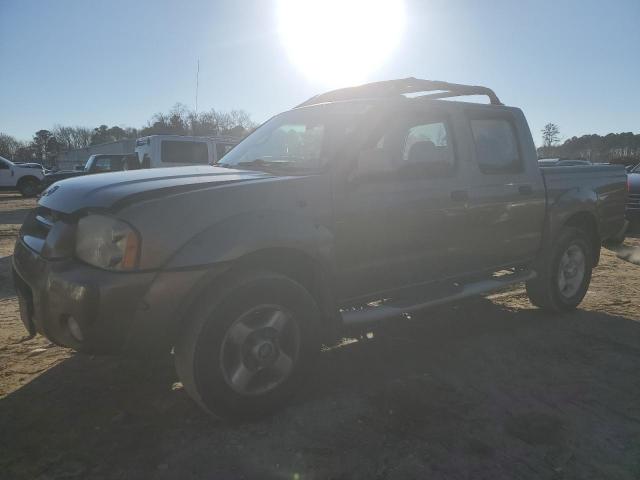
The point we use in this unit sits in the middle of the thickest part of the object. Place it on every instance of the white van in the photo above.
(157, 151)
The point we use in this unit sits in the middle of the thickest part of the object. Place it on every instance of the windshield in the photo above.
(636, 169)
(299, 139)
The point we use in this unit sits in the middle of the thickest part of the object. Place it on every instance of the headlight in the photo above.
(107, 242)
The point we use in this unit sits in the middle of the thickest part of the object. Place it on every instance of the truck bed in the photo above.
(583, 184)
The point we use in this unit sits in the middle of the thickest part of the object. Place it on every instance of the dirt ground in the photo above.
(487, 389)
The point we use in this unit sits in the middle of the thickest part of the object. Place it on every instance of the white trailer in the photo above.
(157, 151)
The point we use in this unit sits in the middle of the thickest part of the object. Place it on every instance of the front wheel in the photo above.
(564, 272)
(245, 355)
(29, 187)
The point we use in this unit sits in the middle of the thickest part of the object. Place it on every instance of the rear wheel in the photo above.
(246, 354)
(564, 273)
(28, 187)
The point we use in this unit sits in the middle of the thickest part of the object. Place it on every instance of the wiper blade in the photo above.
(261, 162)
(276, 165)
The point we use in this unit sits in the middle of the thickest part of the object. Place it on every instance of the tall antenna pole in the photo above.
(197, 80)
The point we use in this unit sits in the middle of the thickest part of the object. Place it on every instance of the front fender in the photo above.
(246, 233)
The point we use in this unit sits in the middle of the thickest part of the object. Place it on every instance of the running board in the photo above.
(373, 313)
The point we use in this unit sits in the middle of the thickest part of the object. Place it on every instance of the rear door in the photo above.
(506, 193)
(397, 217)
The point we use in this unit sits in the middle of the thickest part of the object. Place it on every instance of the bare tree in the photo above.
(9, 146)
(182, 121)
(550, 136)
(64, 136)
(72, 137)
(82, 137)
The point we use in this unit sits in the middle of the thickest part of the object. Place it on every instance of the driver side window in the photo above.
(414, 148)
(427, 149)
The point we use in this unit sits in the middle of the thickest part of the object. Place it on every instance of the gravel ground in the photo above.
(489, 388)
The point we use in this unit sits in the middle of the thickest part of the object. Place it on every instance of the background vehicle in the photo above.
(29, 165)
(177, 150)
(99, 163)
(562, 162)
(633, 199)
(24, 178)
(358, 206)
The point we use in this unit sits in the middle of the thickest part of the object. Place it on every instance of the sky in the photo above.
(117, 62)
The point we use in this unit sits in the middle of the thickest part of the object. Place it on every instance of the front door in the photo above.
(396, 217)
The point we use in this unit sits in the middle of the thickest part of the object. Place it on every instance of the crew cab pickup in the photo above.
(98, 163)
(358, 206)
(25, 178)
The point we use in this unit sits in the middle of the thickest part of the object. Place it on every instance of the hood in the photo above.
(109, 190)
(28, 165)
(65, 173)
(633, 180)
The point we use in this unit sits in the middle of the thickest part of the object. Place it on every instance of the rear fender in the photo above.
(573, 204)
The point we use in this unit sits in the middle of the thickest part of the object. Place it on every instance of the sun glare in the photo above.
(340, 42)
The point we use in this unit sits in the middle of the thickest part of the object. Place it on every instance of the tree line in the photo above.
(613, 147)
(180, 120)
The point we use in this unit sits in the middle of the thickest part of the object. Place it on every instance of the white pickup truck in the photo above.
(25, 178)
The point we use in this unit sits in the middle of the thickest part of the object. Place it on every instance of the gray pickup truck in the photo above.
(359, 205)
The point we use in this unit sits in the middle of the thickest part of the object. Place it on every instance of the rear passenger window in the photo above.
(184, 152)
(496, 145)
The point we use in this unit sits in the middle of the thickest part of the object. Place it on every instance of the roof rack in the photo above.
(396, 88)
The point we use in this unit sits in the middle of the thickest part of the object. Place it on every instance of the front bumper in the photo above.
(115, 311)
(633, 215)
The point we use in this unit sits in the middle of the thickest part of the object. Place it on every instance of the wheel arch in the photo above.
(25, 178)
(290, 262)
(587, 222)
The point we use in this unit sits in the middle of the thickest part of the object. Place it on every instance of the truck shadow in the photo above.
(16, 216)
(630, 250)
(6, 282)
(477, 387)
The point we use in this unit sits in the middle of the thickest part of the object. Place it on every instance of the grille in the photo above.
(39, 223)
(37, 226)
(633, 201)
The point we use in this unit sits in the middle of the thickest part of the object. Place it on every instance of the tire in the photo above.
(29, 187)
(231, 357)
(564, 272)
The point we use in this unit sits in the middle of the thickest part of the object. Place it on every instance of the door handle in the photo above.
(460, 195)
(525, 189)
